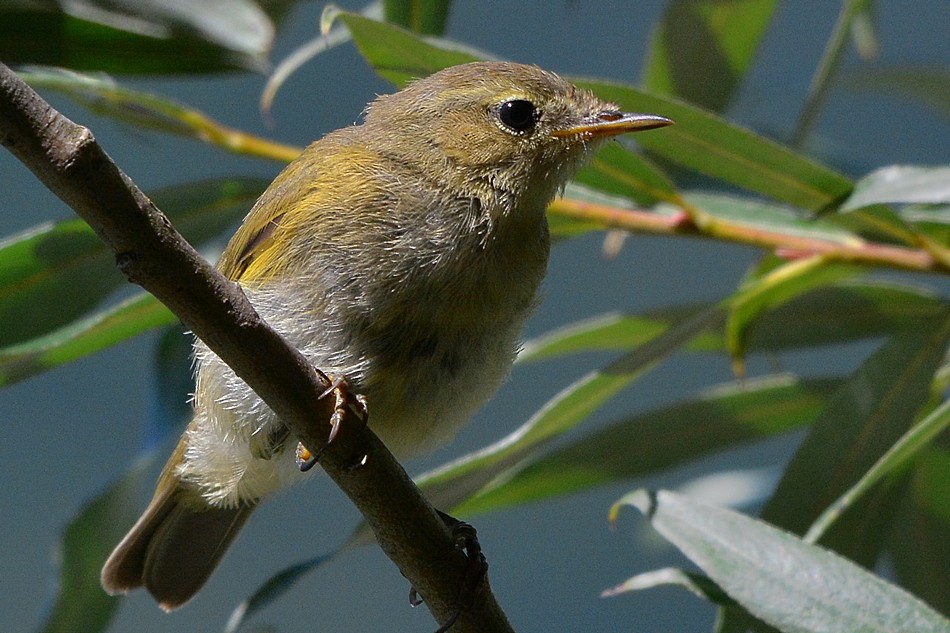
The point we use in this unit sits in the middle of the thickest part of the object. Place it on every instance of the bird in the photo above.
(403, 255)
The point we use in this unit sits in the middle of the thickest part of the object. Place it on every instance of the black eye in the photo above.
(518, 115)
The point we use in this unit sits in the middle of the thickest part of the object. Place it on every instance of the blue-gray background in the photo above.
(67, 434)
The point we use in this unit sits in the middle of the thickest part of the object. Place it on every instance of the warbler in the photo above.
(402, 254)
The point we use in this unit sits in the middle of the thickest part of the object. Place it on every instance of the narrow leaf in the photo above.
(778, 287)
(712, 146)
(839, 313)
(867, 415)
(919, 548)
(618, 171)
(932, 480)
(427, 17)
(608, 332)
(698, 584)
(794, 586)
(750, 216)
(932, 222)
(721, 418)
(851, 11)
(398, 55)
(902, 184)
(863, 33)
(86, 336)
(54, 273)
(273, 588)
(80, 603)
(152, 37)
(700, 51)
(330, 36)
(145, 110)
(907, 447)
(63, 265)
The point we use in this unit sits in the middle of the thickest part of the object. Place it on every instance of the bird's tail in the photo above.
(175, 545)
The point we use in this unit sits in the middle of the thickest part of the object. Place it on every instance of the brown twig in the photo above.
(860, 252)
(67, 159)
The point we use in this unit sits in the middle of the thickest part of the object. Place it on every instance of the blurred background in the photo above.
(70, 432)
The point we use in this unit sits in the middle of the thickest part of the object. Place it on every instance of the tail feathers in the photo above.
(173, 548)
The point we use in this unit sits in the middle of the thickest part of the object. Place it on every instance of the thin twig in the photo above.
(789, 246)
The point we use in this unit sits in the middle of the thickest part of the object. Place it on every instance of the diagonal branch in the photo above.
(67, 159)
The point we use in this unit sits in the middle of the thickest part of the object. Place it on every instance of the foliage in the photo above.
(873, 466)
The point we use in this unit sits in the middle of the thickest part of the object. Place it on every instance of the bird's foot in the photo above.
(466, 540)
(344, 402)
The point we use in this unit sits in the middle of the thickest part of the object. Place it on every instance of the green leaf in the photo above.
(80, 603)
(755, 215)
(54, 273)
(698, 584)
(863, 33)
(137, 36)
(328, 37)
(778, 287)
(712, 146)
(273, 588)
(907, 447)
(398, 55)
(839, 313)
(932, 480)
(61, 265)
(700, 50)
(86, 336)
(919, 548)
(852, 12)
(617, 171)
(104, 96)
(932, 221)
(428, 17)
(867, 415)
(877, 222)
(902, 184)
(609, 332)
(794, 586)
(721, 418)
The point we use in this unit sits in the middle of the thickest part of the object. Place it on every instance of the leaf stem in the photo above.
(821, 80)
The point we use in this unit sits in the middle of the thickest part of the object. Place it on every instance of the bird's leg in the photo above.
(343, 402)
(466, 540)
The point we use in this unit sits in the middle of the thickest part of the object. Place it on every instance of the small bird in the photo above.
(402, 254)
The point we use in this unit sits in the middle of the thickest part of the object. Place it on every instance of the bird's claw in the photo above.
(344, 401)
(466, 540)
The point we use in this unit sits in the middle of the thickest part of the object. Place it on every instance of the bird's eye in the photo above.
(517, 115)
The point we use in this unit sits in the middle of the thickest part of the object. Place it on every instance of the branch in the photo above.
(789, 246)
(67, 159)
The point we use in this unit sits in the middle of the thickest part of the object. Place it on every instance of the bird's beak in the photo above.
(611, 123)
